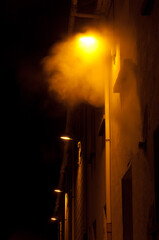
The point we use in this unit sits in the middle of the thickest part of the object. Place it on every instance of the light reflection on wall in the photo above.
(66, 216)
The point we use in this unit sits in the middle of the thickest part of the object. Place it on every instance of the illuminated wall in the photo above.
(134, 117)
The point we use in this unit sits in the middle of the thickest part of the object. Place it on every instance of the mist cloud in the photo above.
(76, 75)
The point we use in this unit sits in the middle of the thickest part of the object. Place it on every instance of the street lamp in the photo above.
(90, 46)
(53, 219)
(59, 225)
(66, 138)
(88, 40)
(57, 190)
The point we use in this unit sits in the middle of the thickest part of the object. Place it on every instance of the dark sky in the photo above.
(32, 119)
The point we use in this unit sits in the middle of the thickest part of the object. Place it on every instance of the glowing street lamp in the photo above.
(88, 40)
(88, 44)
(66, 138)
(57, 190)
(53, 219)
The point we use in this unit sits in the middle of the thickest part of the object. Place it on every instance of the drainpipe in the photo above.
(108, 150)
(73, 193)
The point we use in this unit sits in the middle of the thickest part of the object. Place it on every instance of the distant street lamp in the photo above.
(57, 190)
(59, 226)
(66, 138)
(53, 219)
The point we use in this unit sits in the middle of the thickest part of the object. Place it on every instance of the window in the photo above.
(146, 7)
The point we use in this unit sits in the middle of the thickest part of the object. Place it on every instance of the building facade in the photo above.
(110, 174)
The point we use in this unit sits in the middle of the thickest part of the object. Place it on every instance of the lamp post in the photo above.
(59, 226)
(60, 221)
(69, 215)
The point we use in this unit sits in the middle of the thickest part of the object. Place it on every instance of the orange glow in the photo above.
(88, 43)
(76, 69)
(66, 138)
(87, 40)
(53, 219)
(57, 190)
(90, 46)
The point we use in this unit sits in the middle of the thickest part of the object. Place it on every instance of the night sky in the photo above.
(32, 118)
